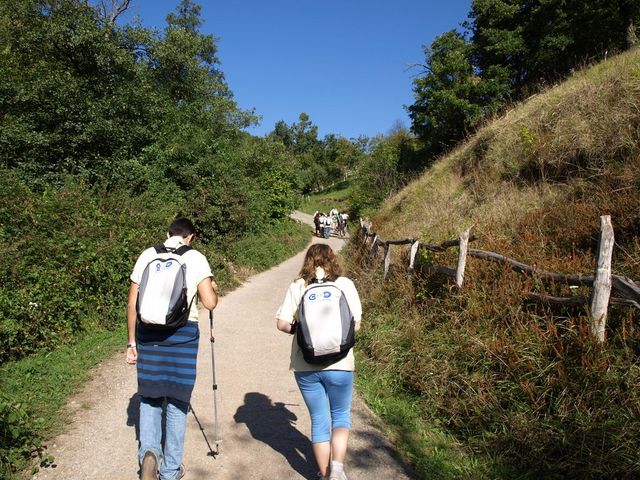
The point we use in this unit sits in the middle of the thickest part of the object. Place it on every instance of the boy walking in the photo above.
(166, 355)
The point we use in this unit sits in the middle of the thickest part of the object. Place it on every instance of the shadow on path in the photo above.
(274, 425)
(133, 414)
(133, 420)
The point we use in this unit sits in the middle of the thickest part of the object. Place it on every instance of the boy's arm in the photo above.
(207, 293)
(132, 352)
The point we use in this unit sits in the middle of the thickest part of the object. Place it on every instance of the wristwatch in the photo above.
(131, 345)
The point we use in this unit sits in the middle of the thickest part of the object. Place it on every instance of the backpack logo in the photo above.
(162, 294)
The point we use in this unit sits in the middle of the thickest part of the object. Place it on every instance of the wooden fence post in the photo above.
(387, 258)
(462, 257)
(412, 254)
(602, 280)
(374, 249)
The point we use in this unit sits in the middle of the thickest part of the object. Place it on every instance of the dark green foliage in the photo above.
(17, 438)
(72, 96)
(107, 133)
(451, 98)
(510, 49)
(544, 40)
(270, 245)
(71, 250)
(318, 163)
(388, 167)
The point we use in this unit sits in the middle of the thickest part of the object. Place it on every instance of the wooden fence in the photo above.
(603, 280)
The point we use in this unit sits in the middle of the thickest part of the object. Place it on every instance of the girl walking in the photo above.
(327, 388)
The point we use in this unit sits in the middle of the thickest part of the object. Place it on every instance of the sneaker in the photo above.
(182, 472)
(149, 467)
(340, 476)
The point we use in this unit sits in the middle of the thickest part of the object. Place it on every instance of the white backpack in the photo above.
(162, 295)
(325, 330)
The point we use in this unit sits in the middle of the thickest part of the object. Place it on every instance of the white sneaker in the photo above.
(340, 476)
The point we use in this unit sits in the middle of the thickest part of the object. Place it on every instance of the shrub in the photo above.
(68, 256)
(270, 245)
(17, 437)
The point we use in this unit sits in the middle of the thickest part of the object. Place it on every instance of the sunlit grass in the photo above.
(336, 196)
(498, 386)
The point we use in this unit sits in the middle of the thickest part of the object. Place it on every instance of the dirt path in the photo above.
(264, 423)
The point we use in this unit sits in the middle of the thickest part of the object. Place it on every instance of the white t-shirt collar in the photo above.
(174, 242)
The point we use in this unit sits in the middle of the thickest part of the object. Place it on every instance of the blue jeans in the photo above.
(327, 394)
(170, 457)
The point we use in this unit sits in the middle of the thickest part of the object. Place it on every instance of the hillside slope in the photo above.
(521, 385)
(565, 142)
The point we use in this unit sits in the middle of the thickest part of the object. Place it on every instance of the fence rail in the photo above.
(603, 280)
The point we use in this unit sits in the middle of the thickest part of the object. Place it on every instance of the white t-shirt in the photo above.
(197, 270)
(289, 310)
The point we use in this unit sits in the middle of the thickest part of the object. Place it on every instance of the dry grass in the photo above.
(585, 128)
(520, 383)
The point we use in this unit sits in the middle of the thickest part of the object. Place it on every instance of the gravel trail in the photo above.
(263, 422)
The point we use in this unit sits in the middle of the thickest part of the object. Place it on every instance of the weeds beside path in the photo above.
(264, 423)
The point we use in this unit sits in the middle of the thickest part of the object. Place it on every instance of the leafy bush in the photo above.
(271, 245)
(19, 439)
(70, 252)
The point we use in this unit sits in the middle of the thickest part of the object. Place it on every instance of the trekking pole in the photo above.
(216, 436)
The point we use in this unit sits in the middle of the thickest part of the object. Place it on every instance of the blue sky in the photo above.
(344, 62)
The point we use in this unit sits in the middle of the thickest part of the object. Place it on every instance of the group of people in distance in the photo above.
(334, 221)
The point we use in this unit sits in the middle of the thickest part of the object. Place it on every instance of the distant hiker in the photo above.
(326, 225)
(322, 220)
(316, 222)
(345, 218)
(162, 320)
(326, 387)
(342, 224)
(334, 214)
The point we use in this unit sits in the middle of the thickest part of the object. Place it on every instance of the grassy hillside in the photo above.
(521, 388)
(336, 196)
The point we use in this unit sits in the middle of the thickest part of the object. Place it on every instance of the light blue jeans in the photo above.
(170, 457)
(327, 394)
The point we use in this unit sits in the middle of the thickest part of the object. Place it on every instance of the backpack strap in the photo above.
(178, 251)
(182, 250)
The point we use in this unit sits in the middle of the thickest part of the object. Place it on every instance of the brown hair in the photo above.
(320, 255)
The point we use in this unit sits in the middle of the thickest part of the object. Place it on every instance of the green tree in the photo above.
(341, 157)
(524, 42)
(382, 172)
(450, 99)
(301, 140)
(71, 97)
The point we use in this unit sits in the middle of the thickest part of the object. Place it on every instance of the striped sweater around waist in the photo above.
(167, 361)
